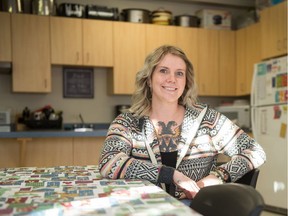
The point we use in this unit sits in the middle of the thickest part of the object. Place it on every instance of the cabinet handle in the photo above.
(279, 45)
(87, 57)
(285, 44)
(45, 83)
(77, 56)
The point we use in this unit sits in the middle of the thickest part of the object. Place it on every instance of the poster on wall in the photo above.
(78, 83)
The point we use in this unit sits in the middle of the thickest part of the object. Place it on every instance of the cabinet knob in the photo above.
(285, 44)
(77, 57)
(279, 45)
(87, 57)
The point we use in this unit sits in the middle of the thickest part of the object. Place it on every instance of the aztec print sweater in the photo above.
(125, 154)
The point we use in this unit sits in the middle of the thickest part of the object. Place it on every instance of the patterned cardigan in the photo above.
(125, 154)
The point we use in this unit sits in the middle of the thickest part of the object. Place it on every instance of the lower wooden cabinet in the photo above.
(87, 150)
(48, 152)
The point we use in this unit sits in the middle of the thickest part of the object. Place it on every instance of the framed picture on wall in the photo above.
(78, 83)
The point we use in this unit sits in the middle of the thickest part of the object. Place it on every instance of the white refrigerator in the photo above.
(269, 126)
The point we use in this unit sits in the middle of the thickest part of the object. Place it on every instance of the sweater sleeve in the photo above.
(246, 154)
(116, 160)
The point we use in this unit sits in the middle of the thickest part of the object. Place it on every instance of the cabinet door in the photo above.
(98, 43)
(9, 153)
(87, 150)
(241, 62)
(157, 35)
(49, 152)
(129, 54)
(253, 53)
(208, 62)
(31, 53)
(66, 41)
(227, 59)
(274, 31)
(187, 40)
(5, 37)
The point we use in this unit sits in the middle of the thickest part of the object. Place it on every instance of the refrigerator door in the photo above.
(271, 132)
(270, 82)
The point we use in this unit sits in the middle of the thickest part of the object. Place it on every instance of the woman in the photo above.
(170, 139)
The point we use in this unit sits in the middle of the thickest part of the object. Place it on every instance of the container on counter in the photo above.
(136, 15)
(162, 17)
(186, 20)
(214, 19)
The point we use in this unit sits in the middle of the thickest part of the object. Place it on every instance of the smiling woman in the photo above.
(172, 140)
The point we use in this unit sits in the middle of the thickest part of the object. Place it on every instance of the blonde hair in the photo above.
(141, 99)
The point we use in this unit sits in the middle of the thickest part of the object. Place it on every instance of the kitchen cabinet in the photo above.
(187, 40)
(227, 61)
(30, 53)
(5, 37)
(87, 150)
(81, 42)
(98, 43)
(129, 54)
(158, 35)
(66, 41)
(60, 151)
(274, 31)
(216, 62)
(248, 52)
(208, 64)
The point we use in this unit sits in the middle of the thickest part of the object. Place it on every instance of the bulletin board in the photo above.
(78, 83)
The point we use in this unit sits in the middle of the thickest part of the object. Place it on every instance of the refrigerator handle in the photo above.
(253, 86)
(253, 123)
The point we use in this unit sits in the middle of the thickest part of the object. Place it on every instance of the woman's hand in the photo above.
(209, 180)
(189, 187)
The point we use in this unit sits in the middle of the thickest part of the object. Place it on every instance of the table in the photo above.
(80, 190)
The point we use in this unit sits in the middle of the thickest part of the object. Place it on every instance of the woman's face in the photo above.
(169, 79)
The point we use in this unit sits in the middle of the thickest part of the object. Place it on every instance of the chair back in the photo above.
(228, 199)
(249, 178)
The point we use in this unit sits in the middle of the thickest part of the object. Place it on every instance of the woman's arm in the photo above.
(246, 154)
(119, 160)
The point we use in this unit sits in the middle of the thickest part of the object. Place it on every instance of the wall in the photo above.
(100, 109)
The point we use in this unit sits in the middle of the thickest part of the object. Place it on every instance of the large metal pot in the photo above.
(12, 6)
(187, 21)
(43, 7)
(136, 15)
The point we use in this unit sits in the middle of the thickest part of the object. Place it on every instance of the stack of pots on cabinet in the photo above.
(39, 7)
(159, 17)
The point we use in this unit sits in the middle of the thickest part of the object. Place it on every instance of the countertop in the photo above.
(99, 130)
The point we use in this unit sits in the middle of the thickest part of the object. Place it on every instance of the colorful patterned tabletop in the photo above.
(80, 190)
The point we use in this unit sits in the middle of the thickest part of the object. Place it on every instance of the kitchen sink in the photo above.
(83, 129)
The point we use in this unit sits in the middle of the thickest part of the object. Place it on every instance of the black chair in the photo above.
(231, 199)
(249, 178)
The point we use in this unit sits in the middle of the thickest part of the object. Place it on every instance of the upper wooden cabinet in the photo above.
(248, 52)
(216, 62)
(98, 43)
(5, 37)
(31, 53)
(81, 42)
(187, 40)
(129, 55)
(227, 59)
(208, 63)
(66, 41)
(274, 31)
